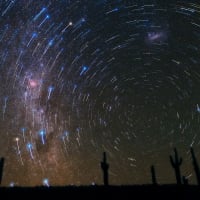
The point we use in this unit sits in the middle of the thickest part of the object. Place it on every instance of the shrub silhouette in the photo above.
(185, 181)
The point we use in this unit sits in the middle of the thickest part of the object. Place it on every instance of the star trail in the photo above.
(78, 78)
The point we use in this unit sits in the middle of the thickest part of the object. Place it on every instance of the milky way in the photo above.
(78, 78)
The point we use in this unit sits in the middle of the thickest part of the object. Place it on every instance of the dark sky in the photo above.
(81, 77)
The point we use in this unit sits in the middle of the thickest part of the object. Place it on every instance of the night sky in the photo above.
(78, 78)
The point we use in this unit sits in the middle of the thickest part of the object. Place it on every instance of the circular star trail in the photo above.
(78, 78)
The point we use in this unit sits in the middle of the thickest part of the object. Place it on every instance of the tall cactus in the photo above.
(1, 168)
(176, 162)
(195, 165)
(105, 167)
(153, 175)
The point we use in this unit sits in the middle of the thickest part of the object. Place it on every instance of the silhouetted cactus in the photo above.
(185, 181)
(105, 167)
(1, 168)
(176, 162)
(153, 175)
(195, 165)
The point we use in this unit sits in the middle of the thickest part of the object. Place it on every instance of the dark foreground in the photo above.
(110, 192)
